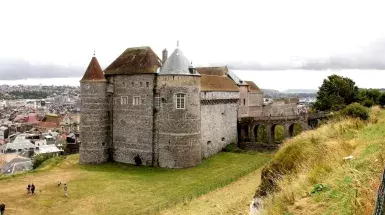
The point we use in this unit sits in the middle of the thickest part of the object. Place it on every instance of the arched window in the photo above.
(180, 101)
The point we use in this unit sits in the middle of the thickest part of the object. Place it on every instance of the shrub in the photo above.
(356, 110)
(368, 103)
(381, 99)
(38, 160)
(232, 147)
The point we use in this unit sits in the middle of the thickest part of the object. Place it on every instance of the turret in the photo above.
(178, 117)
(94, 117)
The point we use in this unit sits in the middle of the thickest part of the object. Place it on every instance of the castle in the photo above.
(163, 112)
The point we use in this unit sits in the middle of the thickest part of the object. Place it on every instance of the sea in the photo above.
(280, 80)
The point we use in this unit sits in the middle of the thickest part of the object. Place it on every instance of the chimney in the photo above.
(164, 56)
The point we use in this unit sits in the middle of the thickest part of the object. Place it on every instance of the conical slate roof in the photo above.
(176, 64)
(93, 72)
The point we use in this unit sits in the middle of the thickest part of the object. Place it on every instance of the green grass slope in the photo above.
(115, 188)
(308, 175)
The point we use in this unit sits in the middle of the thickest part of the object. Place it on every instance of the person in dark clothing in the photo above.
(65, 190)
(138, 160)
(33, 189)
(58, 183)
(2, 208)
(28, 189)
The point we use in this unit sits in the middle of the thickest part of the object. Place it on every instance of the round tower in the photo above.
(93, 115)
(179, 115)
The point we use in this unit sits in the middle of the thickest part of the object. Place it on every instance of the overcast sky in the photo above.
(57, 38)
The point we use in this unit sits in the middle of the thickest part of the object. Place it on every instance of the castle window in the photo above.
(244, 101)
(180, 101)
(157, 100)
(141, 84)
(132, 84)
(136, 100)
(147, 84)
(223, 139)
(124, 100)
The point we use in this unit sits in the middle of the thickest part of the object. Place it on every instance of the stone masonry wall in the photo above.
(178, 131)
(280, 110)
(243, 101)
(133, 124)
(94, 123)
(218, 121)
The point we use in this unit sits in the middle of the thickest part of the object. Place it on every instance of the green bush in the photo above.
(356, 110)
(381, 99)
(38, 160)
(232, 147)
(368, 103)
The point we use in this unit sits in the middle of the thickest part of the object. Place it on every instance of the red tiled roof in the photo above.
(93, 72)
(32, 118)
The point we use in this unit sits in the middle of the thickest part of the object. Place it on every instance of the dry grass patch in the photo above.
(309, 175)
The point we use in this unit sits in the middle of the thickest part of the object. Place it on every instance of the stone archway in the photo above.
(244, 132)
(295, 129)
(313, 123)
(277, 133)
(255, 132)
(260, 133)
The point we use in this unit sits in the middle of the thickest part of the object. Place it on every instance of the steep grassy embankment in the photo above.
(308, 175)
(115, 188)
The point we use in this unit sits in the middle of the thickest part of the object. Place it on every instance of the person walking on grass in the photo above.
(65, 190)
(33, 189)
(2, 208)
(28, 189)
(58, 183)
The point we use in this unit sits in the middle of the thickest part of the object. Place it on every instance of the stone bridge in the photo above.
(248, 126)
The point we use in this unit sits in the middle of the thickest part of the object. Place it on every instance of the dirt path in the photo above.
(232, 199)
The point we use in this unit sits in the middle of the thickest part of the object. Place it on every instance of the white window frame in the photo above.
(139, 100)
(179, 96)
(122, 102)
(157, 101)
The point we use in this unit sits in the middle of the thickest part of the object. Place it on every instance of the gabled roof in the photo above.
(94, 72)
(253, 87)
(219, 71)
(217, 83)
(139, 60)
(235, 78)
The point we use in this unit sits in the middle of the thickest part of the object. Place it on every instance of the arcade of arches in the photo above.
(272, 132)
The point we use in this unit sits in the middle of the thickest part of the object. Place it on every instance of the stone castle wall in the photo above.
(219, 115)
(133, 124)
(94, 123)
(178, 131)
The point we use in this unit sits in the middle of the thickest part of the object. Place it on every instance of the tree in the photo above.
(369, 94)
(335, 93)
(381, 100)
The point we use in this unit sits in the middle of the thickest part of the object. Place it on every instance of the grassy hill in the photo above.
(115, 188)
(308, 175)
